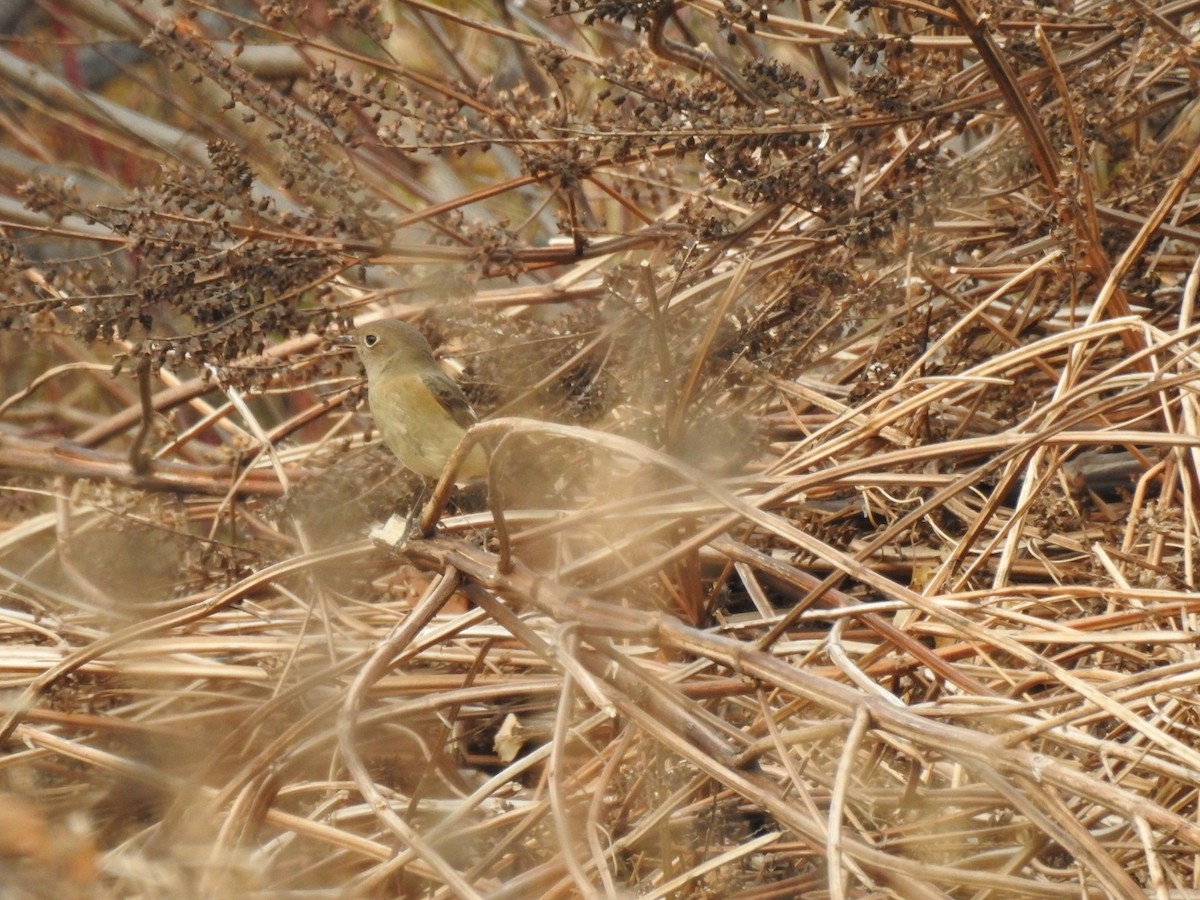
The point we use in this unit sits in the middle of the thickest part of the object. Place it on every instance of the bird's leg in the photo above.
(414, 514)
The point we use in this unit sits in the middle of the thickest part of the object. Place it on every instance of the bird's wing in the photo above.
(451, 399)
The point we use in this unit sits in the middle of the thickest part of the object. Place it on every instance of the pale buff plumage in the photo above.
(419, 410)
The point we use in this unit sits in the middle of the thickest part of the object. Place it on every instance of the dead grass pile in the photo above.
(841, 533)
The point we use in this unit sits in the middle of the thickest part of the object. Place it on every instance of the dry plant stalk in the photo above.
(841, 530)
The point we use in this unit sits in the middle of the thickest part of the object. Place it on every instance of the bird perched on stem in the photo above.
(419, 410)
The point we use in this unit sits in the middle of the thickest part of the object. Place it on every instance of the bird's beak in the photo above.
(345, 340)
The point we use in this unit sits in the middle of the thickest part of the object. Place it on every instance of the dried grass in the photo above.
(841, 534)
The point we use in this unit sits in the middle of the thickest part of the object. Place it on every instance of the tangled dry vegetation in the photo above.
(841, 533)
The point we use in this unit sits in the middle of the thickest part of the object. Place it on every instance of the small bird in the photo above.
(420, 411)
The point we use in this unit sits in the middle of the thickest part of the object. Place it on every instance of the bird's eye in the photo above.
(370, 340)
